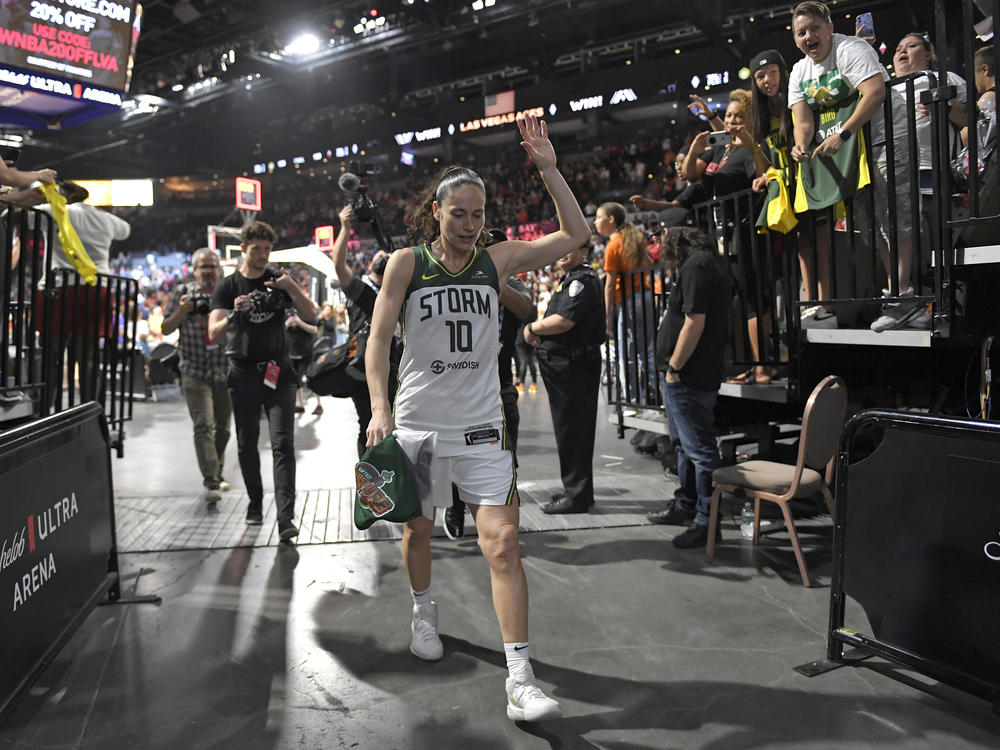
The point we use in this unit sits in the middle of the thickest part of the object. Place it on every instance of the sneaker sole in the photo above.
(425, 657)
(255, 522)
(518, 714)
(895, 325)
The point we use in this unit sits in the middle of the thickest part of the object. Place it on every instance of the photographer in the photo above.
(203, 369)
(360, 293)
(248, 307)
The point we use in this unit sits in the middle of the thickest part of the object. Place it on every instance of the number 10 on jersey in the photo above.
(460, 335)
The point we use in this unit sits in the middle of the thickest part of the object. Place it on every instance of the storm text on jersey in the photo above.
(454, 300)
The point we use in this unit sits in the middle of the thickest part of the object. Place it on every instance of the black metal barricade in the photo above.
(55, 323)
(89, 332)
(765, 281)
(632, 380)
(919, 548)
(22, 267)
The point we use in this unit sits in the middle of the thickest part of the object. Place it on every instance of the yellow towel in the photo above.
(68, 238)
(780, 216)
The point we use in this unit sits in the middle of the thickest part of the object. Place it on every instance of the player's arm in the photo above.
(388, 304)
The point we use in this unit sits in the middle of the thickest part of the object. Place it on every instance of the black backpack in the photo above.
(340, 371)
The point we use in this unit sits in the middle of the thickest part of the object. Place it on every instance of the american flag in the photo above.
(499, 104)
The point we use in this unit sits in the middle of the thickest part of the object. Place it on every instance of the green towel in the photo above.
(827, 180)
(385, 488)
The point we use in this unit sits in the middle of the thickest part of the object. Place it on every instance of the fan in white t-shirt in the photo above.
(835, 66)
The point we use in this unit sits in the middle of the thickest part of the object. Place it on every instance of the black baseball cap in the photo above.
(767, 57)
(498, 235)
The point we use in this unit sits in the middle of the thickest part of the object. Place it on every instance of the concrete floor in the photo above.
(645, 646)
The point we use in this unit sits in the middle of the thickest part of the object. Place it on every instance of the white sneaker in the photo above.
(425, 643)
(897, 314)
(817, 317)
(924, 320)
(527, 702)
(213, 496)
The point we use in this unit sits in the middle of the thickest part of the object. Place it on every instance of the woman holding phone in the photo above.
(727, 168)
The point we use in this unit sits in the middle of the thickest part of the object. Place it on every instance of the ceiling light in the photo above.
(305, 44)
(478, 5)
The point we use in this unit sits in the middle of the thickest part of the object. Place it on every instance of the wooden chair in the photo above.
(779, 483)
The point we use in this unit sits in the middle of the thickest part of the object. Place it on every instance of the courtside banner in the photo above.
(57, 542)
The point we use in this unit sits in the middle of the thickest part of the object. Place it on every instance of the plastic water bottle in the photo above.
(746, 521)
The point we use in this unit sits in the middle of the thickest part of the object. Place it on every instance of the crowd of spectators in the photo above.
(157, 254)
(298, 203)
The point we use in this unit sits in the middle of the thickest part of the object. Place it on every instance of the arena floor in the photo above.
(258, 645)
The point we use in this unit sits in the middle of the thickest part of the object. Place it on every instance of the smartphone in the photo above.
(864, 27)
(719, 138)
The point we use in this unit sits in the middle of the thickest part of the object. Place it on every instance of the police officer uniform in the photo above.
(570, 363)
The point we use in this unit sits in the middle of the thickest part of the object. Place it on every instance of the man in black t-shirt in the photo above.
(248, 308)
(689, 349)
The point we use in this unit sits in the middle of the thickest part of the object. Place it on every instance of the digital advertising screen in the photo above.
(88, 41)
(65, 61)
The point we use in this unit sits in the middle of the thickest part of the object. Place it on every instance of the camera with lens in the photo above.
(365, 209)
(351, 182)
(202, 303)
(270, 300)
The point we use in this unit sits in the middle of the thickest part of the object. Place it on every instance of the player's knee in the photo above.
(502, 547)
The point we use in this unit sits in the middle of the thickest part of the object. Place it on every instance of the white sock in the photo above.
(518, 665)
(421, 598)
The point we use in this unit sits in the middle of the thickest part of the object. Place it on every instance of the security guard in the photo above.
(569, 340)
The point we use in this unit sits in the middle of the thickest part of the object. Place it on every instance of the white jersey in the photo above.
(448, 379)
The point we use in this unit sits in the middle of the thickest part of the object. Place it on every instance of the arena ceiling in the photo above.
(215, 86)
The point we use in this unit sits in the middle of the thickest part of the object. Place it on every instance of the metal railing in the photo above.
(632, 380)
(64, 342)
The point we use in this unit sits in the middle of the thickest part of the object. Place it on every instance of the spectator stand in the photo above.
(956, 271)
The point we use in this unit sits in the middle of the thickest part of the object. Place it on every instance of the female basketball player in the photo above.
(447, 291)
